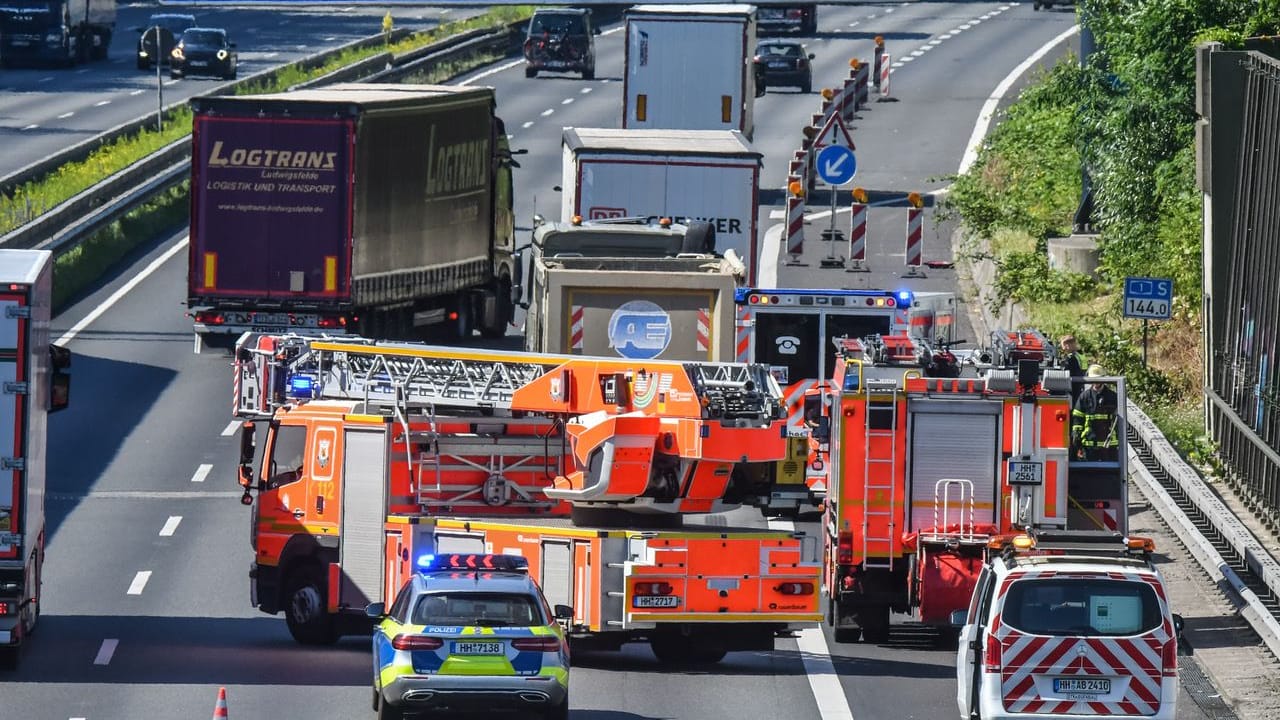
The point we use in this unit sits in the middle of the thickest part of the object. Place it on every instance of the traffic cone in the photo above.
(220, 710)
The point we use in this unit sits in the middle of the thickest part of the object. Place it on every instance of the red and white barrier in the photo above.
(915, 241)
(704, 329)
(795, 224)
(858, 232)
(884, 77)
(575, 327)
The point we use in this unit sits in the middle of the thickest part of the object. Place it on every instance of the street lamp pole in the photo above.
(159, 86)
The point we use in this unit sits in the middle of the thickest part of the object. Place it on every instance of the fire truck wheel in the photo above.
(304, 609)
(848, 635)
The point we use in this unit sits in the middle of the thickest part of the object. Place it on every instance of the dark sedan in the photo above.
(169, 27)
(785, 62)
(204, 51)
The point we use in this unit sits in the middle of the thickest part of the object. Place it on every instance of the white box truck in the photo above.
(33, 383)
(685, 175)
(689, 67)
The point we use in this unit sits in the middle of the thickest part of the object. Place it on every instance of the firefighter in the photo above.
(1093, 421)
(1070, 360)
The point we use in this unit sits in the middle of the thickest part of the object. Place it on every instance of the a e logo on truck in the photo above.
(639, 330)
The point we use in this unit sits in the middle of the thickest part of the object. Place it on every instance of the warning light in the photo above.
(795, 188)
(828, 93)
(854, 63)
(915, 199)
(576, 219)
(472, 561)
(453, 314)
(664, 222)
(859, 195)
(904, 296)
(300, 386)
(880, 41)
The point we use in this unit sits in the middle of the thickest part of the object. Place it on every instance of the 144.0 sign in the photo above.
(1148, 298)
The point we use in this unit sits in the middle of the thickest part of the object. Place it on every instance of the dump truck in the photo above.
(372, 208)
(35, 383)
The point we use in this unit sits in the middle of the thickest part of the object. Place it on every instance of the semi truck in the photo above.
(378, 453)
(708, 176)
(689, 67)
(371, 208)
(633, 289)
(35, 383)
(55, 32)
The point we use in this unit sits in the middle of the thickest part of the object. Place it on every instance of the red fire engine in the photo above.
(932, 455)
(379, 453)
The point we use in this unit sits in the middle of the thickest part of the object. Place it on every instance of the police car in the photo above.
(470, 632)
(1069, 625)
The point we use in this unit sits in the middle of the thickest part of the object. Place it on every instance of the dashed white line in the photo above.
(527, 124)
(932, 43)
(901, 61)
(106, 651)
(202, 472)
(585, 90)
(46, 79)
(853, 24)
(231, 428)
(917, 53)
(945, 36)
(271, 55)
(137, 92)
(31, 127)
(888, 10)
(566, 101)
(139, 582)
(170, 526)
(66, 115)
(100, 103)
(331, 38)
(548, 111)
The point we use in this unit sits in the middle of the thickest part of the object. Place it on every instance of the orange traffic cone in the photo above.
(220, 710)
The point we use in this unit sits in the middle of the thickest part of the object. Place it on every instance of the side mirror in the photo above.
(538, 219)
(247, 445)
(557, 188)
(59, 379)
(811, 56)
(564, 612)
(376, 610)
(959, 617)
(1178, 623)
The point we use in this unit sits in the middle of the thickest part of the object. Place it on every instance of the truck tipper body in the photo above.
(55, 32)
(34, 383)
(630, 289)
(384, 209)
(688, 67)
(711, 176)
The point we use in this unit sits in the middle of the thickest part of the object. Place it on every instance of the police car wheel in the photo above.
(559, 712)
(304, 609)
(387, 711)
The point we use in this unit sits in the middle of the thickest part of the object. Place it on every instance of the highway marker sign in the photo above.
(1148, 298)
(836, 165)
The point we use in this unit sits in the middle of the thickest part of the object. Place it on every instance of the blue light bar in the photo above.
(300, 386)
(904, 297)
(467, 562)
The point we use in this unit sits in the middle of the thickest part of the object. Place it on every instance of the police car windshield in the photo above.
(1091, 607)
(477, 609)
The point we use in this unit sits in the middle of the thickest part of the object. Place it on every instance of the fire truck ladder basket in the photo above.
(879, 489)
(944, 510)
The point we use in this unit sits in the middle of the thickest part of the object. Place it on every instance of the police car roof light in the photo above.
(472, 561)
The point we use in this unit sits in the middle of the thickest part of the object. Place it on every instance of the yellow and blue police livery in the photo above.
(470, 632)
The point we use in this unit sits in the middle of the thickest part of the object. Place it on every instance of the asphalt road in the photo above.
(145, 605)
(44, 110)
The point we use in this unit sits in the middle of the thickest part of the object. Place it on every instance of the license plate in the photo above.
(770, 13)
(555, 63)
(778, 65)
(479, 648)
(19, 43)
(655, 601)
(198, 63)
(1082, 685)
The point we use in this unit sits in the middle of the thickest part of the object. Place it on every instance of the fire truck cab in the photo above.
(933, 452)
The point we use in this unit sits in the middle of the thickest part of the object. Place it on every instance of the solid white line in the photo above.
(611, 31)
(97, 312)
(827, 691)
(106, 651)
(202, 472)
(231, 428)
(170, 526)
(988, 110)
(492, 71)
(139, 582)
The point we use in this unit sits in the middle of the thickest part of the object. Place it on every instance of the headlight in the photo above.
(177, 53)
(222, 54)
(142, 53)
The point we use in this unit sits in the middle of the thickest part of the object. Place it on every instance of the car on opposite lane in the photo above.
(786, 63)
(204, 51)
(470, 632)
(169, 26)
(561, 40)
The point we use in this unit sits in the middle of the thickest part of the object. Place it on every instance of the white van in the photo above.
(1068, 625)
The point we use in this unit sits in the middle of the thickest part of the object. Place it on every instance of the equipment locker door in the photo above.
(557, 572)
(953, 439)
(364, 512)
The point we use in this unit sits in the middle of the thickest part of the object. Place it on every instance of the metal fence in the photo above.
(1239, 154)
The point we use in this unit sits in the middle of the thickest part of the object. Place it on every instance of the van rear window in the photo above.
(1090, 607)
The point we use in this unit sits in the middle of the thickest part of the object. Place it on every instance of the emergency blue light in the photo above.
(300, 386)
(904, 296)
(463, 562)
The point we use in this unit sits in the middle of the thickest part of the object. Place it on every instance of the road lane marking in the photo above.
(139, 582)
(170, 526)
(492, 71)
(231, 428)
(202, 472)
(97, 312)
(100, 103)
(528, 124)
(106, 651)
(83, 71)
(611, 31)
(32, 126)
(45, 79)
(66, 115)
(548, 111)
(827, 690)
(138, 92)
(585, 90)
(566, 101)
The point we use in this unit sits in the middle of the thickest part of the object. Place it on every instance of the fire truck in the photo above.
(377, 454)
(935, 455)
(792, 332)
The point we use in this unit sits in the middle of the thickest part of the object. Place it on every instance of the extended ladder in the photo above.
(879, 473)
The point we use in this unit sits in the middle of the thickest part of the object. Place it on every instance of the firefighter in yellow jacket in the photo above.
(1093, 421)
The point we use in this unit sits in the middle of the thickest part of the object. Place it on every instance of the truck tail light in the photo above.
(991, 661)
(332, 322)
(545, 643)
(4, 608)
(1169, 658)
(416, 642)
(844, 548)
(653, 588)
(209, 318)
(795, 588)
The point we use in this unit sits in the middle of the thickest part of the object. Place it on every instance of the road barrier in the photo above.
(884, 79)
(220, 709)
(858, 232)
(795, 220)
(915, 237)
(878, 62)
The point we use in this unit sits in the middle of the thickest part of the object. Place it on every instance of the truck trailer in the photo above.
(689, 67)
(55, 32)
(371, 208)
(35, 383)
(685, 176)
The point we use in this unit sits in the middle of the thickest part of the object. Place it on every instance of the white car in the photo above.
(1069, 625)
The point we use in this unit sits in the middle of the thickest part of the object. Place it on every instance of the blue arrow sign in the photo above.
(836, 165)
(1148, 298)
